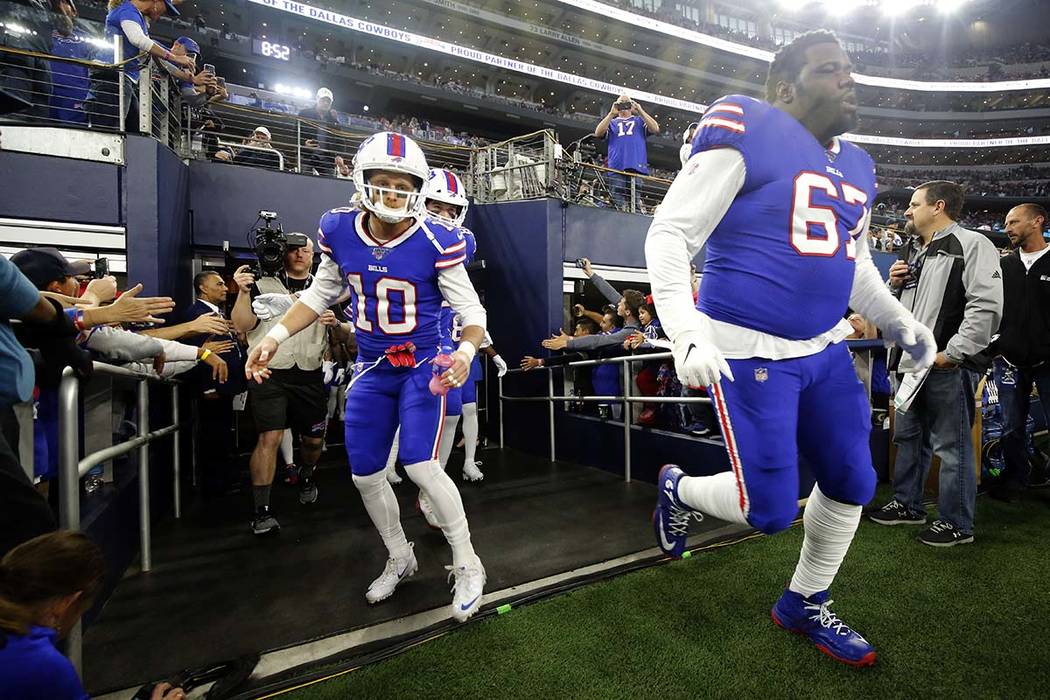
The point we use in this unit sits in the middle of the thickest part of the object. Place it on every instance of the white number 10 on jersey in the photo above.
(804, 214)
(385, 288)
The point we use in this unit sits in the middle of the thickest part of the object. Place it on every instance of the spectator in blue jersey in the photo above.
(127, 19)
(69, 81)
(626, 127)
(46, 584)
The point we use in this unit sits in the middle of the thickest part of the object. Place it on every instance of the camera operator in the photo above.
(295, 396)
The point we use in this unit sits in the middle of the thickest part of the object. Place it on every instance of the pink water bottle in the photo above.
(441, 363)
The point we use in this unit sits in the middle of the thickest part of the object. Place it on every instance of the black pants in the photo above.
(216, 459)
(24, 514)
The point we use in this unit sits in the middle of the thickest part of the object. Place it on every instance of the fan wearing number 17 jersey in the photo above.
(781, 204)
(399, 266)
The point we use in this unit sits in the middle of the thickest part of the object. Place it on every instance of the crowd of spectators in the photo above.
(1019, 181)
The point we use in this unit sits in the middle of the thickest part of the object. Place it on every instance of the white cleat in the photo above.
(471, 471)
(396, 570)
(424, 507)
(467, 589)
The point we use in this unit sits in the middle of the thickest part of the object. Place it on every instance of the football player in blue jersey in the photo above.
(399, 267)
(782, 205)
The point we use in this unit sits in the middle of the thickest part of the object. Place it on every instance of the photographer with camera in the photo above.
(626, 127)
(295, 396)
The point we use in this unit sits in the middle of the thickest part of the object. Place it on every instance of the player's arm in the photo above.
(872, 299)
(455, 286)
(694, 205)
(325, 290)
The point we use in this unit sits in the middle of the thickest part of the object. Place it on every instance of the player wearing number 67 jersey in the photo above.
(399, 267)
(782, 206)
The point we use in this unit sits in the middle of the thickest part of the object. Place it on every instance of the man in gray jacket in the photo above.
(949, 278)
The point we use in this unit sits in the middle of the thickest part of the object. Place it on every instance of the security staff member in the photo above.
(295, 396)
(1023, 343)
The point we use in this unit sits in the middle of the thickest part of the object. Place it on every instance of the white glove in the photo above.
(328, 368)
(915, 339)
(340, 376)
(270, 306)
(501, 365)
(697, 361)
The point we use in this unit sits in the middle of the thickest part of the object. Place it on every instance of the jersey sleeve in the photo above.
(328, 225)
(472, 244)
(725, 124)
(449, 243)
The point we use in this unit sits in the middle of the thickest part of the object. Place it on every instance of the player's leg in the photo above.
(471, 470)
(391, 460)
(758, 416)
(371, 420)
(453, 409)
(833, 439)
(291, 472)
(308, 407)
(422, 418)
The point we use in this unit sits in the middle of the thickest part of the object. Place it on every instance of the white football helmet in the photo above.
(690, 131)
(445, 186)
(392, 153)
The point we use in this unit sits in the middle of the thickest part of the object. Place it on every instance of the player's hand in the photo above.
(219, 369)
(257, 367)
(129, 308)
(915, 339)
(557, 341)
(456, 375)
(898, 274)
(267, 307)
(501, 365)
(243, 278)
(209, 324)
(101, 290)
(529, 362)
(328, 318)
(697, 361)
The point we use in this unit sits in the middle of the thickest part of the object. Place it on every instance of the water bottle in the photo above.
(441, 364)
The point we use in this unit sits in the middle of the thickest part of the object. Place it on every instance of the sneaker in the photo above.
(308, 493)
(466, 589)
(291, 475)
(397, 569)
(943, 534)
(424, 507)
(671, 516)
(812, 618)
(697, 429)
(896, 513)
(471, 471)
(264, 523)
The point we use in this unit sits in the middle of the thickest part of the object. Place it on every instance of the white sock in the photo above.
(448, 439)
(448, 507)
(715, 495)
(286, 447)
(830, 526)
(381, 504)
(391, 460)
(470, 431)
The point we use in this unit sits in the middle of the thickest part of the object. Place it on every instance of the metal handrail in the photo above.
(72, 467)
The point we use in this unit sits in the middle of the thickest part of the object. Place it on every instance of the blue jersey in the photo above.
(394, 284)
(69, 82)
(448, 315)
(126, 11)
(627, 144)
(781, 260)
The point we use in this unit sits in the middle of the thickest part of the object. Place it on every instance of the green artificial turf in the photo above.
(965, 622)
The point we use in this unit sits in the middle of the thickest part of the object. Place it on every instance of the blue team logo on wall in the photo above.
(379, 253)
(761, 374)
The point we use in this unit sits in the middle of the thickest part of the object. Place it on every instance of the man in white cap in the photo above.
(254, 153)
(320, 145)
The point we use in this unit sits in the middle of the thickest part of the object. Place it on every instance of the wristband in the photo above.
(205, 355)
(78, 319)
(467, 349)
(279, 333)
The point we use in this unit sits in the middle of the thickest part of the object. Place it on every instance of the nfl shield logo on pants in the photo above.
(761, 374)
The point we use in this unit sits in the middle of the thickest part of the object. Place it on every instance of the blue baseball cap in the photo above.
(190, 44)
(171, 8)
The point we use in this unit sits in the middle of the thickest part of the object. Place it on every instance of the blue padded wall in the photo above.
(59, 189)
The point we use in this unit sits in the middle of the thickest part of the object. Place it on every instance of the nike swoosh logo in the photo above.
(663, 538)
(466, 606)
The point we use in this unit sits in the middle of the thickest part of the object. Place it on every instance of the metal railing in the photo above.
(519, 168)
(73, 467)
(626, 399)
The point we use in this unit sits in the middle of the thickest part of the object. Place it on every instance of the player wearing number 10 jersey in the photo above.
(782, 205)
(399, 266)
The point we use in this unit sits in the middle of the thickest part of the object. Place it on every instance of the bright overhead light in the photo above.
(839, 8)
(947, 7)
(894, 8)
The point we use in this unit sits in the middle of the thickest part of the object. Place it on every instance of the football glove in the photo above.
(697, 361)
(915, 339)
(270, 306)
(501, 365)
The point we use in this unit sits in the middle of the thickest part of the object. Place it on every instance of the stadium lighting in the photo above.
(894, 8)
(947, 7)
(293, 91)
(839, 8)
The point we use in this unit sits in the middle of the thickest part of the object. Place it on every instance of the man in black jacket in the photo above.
(1024, 341)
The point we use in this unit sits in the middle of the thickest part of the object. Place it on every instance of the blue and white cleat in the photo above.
(671, 516)
(812, 618)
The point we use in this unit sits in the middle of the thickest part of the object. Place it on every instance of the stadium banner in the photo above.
(947, 143)
(518, 24)
(418, 40)
(696, 37)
